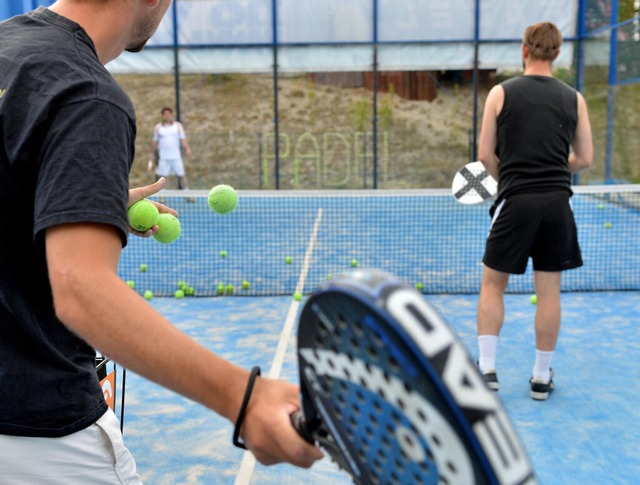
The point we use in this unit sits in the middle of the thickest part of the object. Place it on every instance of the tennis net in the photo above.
(279, 242)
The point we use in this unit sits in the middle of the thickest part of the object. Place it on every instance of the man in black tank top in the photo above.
(529, 125)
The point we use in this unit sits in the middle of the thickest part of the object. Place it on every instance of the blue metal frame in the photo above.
(579, 79)
(476, 48)
(176, 60)
(613, 53)
(582, 19)
(276, 102)
(374, 121)
(13, 7)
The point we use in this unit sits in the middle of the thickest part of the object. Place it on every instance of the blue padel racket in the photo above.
(390, 393)
(472, 184)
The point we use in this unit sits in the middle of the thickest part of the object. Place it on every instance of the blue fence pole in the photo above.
(582, 31)
(374, 121)
(476, 48)
(579, 60)
(276, 98)
(176, 61)
(613, 54)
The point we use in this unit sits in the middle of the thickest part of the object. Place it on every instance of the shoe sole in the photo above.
(542, 395)
(539, 396)
(491, 382)
(493, 385)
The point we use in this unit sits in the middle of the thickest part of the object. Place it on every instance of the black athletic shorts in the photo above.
(538, 225)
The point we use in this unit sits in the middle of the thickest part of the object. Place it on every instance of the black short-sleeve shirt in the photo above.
(67, 134)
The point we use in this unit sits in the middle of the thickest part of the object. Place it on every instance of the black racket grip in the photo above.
(298, 422)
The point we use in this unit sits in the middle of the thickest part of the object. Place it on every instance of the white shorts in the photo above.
(95, 455)
(170, 166)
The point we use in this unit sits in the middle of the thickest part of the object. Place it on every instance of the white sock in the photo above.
(542, 366)
(488, 346)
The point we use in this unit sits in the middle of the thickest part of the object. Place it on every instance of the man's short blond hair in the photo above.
(543, 40)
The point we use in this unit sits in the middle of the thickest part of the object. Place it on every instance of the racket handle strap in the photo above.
(255, 372)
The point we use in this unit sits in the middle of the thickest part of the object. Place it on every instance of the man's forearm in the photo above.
(98, 306)
(146, 343)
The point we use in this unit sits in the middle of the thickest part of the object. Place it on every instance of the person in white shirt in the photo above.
(169, 140)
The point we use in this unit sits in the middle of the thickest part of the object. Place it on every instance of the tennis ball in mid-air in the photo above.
(143, 215)
(600, 206)
(245, 285)
(288, 260)
(533, 299)
(607, 225)
(169, 229)
(223, 254)
(148, 295)
(419, 286)
(222, 199)
(143, 267)
(354, 263)
(297, 296)
(131, 284)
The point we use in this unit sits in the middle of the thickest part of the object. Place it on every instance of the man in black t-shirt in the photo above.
(67, 133)
(528, 127)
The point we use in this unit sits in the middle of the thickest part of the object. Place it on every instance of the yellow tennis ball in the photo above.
(143, 215)
(354, 263)
(169, 229)
(297, 296)
(245, 285)
(178, 294)
(148, 295)
(533, 299)
(222, 199)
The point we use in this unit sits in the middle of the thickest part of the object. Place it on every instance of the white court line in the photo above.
(248, 460)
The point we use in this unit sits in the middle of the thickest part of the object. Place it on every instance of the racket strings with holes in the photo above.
(391, 394)
(472, 184)
(370, 383)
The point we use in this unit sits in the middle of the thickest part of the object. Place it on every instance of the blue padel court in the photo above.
(244, 268)
(586, 433)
